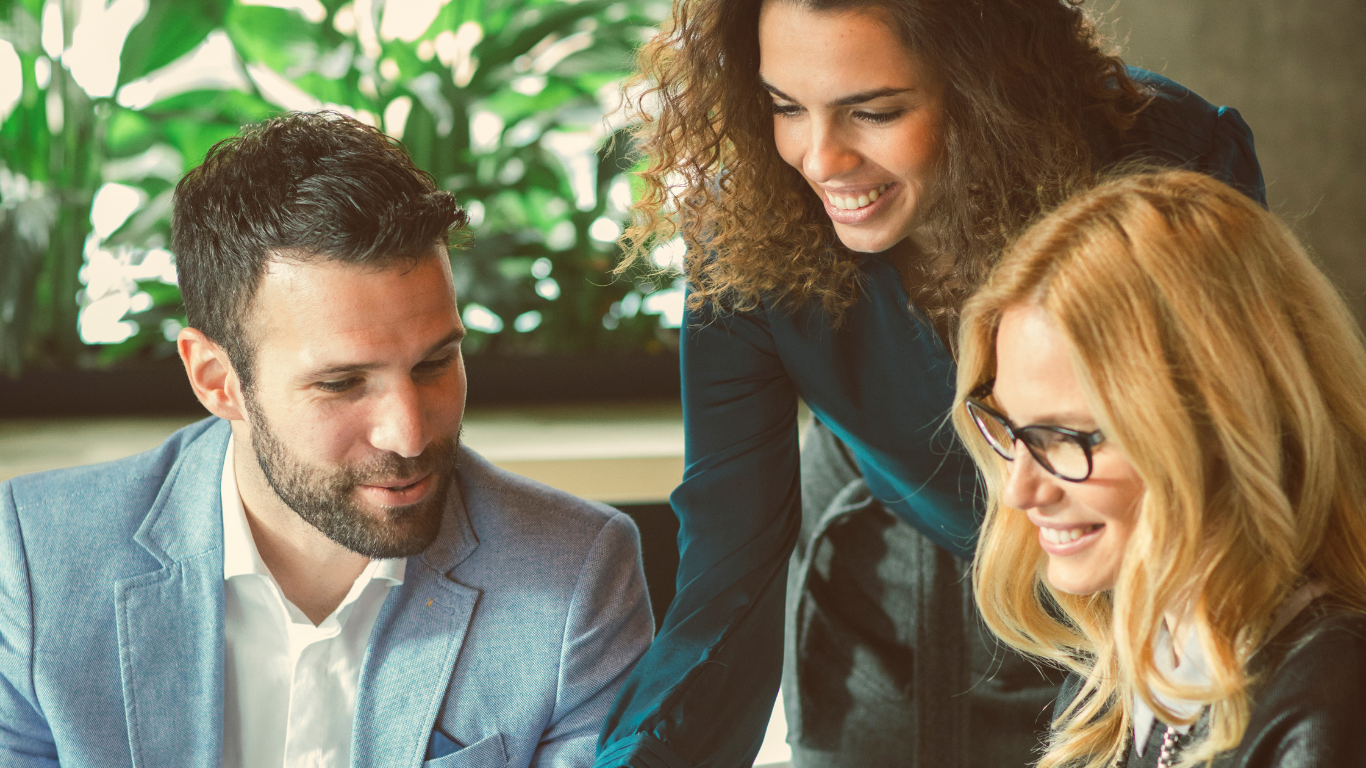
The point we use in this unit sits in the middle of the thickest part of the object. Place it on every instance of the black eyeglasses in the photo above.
(1065, 453)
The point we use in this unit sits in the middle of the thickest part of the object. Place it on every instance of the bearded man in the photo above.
(320, 574)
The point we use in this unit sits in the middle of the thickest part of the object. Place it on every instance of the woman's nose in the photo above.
(828, 153)
(1028, 484)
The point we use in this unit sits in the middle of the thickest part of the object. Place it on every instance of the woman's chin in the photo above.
(1073, 581)
(861, 240)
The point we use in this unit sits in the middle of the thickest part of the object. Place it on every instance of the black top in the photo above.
(1308, 711)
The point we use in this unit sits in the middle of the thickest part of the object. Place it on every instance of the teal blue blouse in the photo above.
(884, 383)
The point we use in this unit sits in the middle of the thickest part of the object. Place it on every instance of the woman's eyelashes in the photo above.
(879, 118)
(876, 118)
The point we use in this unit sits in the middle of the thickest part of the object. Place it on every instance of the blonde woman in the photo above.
(1168, 403)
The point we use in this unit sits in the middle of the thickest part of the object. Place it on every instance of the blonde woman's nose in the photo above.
(1028, 484)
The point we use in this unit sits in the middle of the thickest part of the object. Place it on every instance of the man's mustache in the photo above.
(391, 469)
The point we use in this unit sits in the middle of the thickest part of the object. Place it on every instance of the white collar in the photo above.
(1193, 671)
(242, 558)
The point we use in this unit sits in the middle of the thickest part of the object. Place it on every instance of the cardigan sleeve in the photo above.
(703, 693)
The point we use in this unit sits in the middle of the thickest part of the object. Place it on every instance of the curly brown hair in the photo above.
(1024, 81)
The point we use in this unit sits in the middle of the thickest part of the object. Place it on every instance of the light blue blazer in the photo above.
(504, 646)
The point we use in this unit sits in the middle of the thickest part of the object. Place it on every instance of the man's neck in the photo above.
(314, 572)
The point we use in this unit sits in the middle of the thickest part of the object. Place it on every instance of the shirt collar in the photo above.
(242, 558)
(1193, 670)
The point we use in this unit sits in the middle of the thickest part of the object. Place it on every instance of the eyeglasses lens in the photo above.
(994, 431)
(1063, 453)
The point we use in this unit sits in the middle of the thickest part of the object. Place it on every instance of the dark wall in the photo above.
(1296, 70)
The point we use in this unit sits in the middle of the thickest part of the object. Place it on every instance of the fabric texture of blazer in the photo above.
(504, 646)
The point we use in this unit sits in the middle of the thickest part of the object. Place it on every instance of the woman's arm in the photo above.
(703, 693)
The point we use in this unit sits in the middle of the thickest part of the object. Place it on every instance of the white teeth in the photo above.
(852, 203)
(1056, 536)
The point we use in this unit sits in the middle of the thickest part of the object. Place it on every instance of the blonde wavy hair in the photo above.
(1228, 370)
(1025, 84)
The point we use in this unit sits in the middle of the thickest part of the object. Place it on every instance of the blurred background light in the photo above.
(11, 79)
(527, 321)
(548, 288)
(53, 33)
(670, 255)
(112, 206)
(604, 230)
(668, 304)
(212, 65)
(97, 41)
(407, 20)
(396, 116)
(313, 11)
(486, 129)
(480, 318)
(575, 150)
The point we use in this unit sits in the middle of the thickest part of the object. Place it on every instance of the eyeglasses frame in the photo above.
(1087, 440)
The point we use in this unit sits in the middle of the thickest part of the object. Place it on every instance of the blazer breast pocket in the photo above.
(488, 752)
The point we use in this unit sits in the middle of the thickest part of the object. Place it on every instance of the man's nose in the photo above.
(399, 421)
(1028, 484)
(828, 153)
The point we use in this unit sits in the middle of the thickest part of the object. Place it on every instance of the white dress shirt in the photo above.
(289, 687)
(1193, 670)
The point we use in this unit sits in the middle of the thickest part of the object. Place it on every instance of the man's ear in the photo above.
(211, 374)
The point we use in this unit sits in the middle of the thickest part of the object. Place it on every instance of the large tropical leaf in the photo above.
(170, 29)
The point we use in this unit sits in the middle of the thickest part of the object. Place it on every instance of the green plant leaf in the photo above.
(281, 39)
(170, 29)
(234, 106)
(194, 138)
(128, 132)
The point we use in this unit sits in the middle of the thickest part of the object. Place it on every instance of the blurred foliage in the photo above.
(502, 101)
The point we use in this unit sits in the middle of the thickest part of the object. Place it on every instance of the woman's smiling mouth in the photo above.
(857, 206)
(1066, 541)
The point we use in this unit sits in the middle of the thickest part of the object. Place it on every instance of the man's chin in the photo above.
(393, 532)
(380, 530)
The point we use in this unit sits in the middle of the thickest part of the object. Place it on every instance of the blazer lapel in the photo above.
(170, 621)
(413, 649)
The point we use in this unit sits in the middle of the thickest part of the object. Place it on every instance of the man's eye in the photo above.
(435, 366)
(786, 109)
(340, 385)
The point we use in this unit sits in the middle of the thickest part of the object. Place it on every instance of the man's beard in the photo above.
(327, 499)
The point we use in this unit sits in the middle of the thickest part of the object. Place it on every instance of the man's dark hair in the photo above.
(302, 186)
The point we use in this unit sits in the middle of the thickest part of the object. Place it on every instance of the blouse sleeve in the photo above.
(702, 694)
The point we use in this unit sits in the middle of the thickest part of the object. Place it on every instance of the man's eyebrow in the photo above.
(454, 337)
(848, 101)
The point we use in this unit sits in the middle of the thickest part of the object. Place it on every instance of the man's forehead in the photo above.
(329, 305)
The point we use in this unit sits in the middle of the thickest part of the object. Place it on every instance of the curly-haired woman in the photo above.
(1168, 402)
(842, 174)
